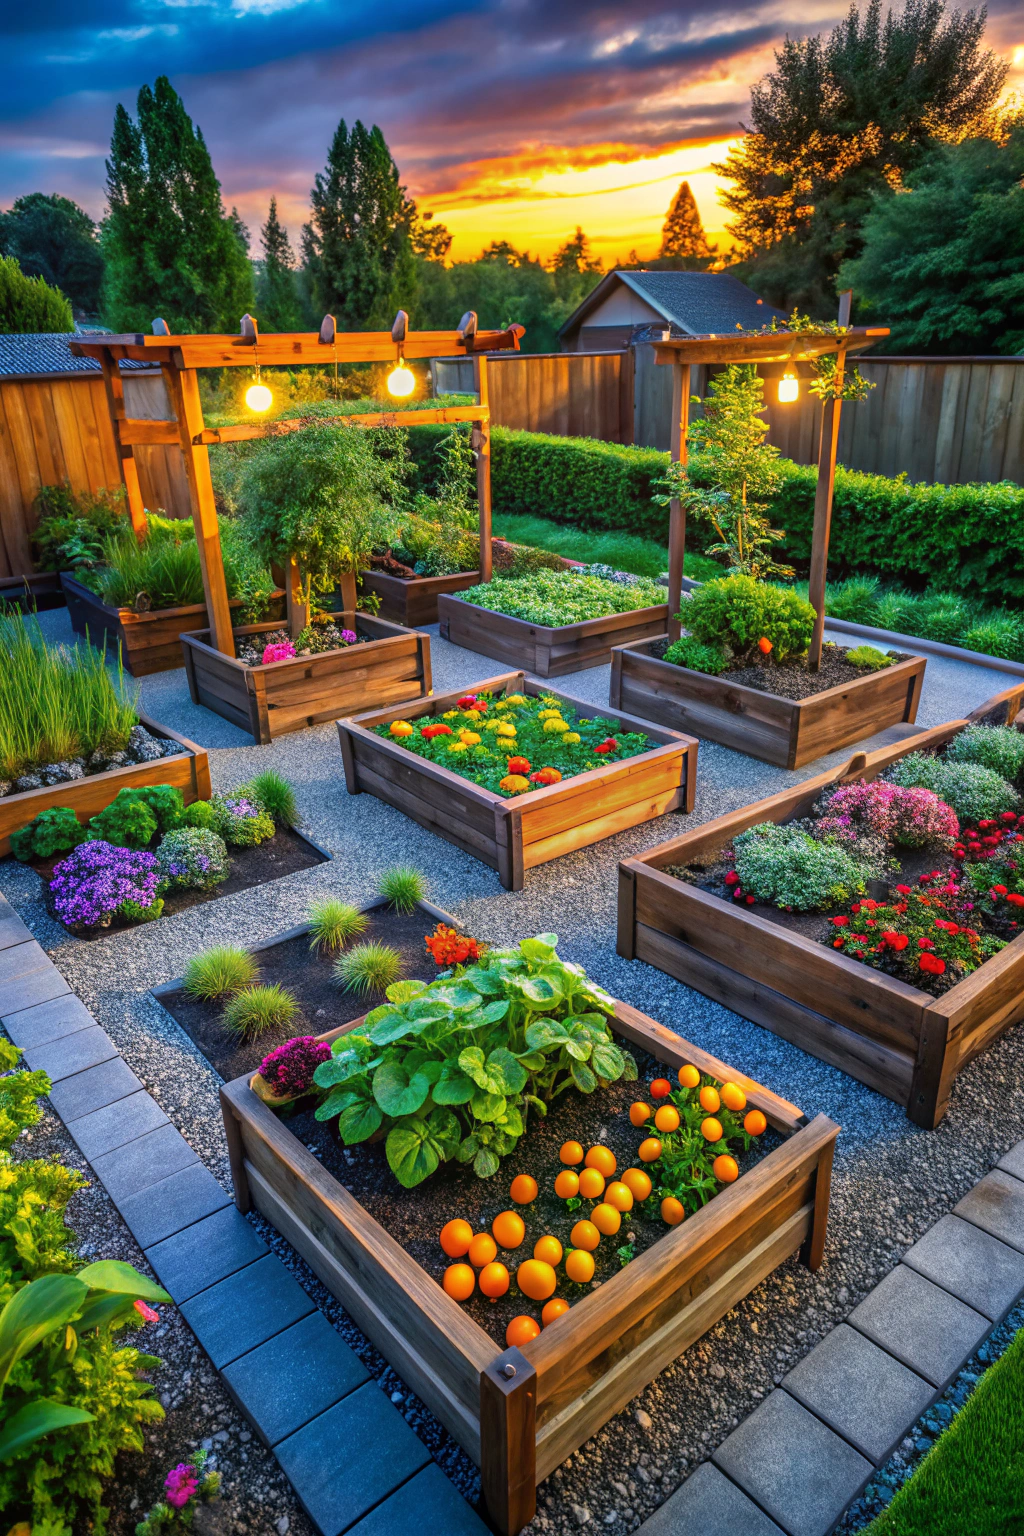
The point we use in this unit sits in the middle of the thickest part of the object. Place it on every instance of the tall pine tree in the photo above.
(171, 250)
(683, 242)
(357, 246)
(278, 307)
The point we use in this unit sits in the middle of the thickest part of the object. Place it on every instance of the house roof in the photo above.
(46, 354)
(698, 303)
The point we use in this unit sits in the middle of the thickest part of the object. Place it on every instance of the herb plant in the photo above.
(218, 972)
(127, 821)
(256, 1010)
(332, 923)
(691, 653)
(552, 598)
(869, 658)
(452, 1068)
(56, 830)
(735, 613)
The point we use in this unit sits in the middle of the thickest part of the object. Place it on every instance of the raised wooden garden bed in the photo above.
(894, 1037)
(189, 772)
(38, 590)
(549, 652)
(412, 600)
(520, 1413)
(150, 642)
(513, 836)
(289, 695)
(786, 732)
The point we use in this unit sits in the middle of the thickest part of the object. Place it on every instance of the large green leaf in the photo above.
(487, 1106)
(397, 1092)
(395, 1025)
(35, 1420)
(579, 1047)
(511, 1122)
(446, 1130)
(539, 992)
(488, 982)
(606, 1060)
(404, 991)
(412, 1153)
(546, 1034)
(34, 1311)
(486, 1163)
(541, 949)
(507, 1075)
(357, 1122)
(453, 1086)
(342, 1069)
(629, 1068)
(457, 997)
(582, 1076)
(473, 1063)
(114, 1275)
(107, 1309)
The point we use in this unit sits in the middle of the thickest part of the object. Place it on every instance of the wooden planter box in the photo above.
(513, 836)
(896, 1038)
(548, 652)
(289, 695)
(190, 772)
(38, 590)
(520, 1413)
(413, 600)
(786, 732)
(150, 642)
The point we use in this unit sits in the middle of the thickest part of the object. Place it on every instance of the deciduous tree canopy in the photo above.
(51, 237)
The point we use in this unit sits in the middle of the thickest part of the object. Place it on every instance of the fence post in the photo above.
(677, 512)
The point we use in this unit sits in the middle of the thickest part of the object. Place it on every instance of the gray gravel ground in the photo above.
(892, 1180)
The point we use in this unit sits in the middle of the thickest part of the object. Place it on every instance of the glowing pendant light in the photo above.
(401, 380)
(258, 398)
(789, 388)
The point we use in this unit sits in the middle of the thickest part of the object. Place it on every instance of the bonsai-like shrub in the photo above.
(906, 818)
(869, 658)
(96, 879)
(127, 820)
(242, 822)
(218, 972)
(368, 968)
(733, 614)
(288, 1071)
(56, 830)
(787, 868)
(998, 747)
(973, 791)
(402, 887)
(193, 859)
(257, 1010)
(332, 923)
(697, 657)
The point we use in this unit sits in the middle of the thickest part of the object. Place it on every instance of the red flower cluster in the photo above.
(608, 745)
(932, 965)
(519, 765)
(546, 776)
(447, 947)
(470, 701)
(981, 842)
(915, 937)
(732, 880)
(428, 732)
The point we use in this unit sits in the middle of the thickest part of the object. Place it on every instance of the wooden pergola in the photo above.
(181, 357)
(771, 347)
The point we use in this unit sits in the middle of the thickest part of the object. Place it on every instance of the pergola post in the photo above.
(828, 447)
(114, 385)
(677, 512)
(482, 443)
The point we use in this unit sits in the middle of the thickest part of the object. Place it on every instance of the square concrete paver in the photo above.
(793, 1466)
(73, 1054)
(1013, 1161)
(707, 1504)
(997, 1206)
(350, 1458)
(206, 1252)
(246, 1310)
(921, 1324)
(970, 1263)
(12, 929)
(111, 1127)
(34, 987)
(86, 1091)
(130, 1169)
(431, 1503)
(294, 1377)
(176, 1202)
(21, 959)
(48, 1021)
(860, 1391)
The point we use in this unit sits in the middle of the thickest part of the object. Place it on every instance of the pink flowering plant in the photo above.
(288, 1071)
(926, 936)
(283, 650)
(186, 1486)
(903, 818)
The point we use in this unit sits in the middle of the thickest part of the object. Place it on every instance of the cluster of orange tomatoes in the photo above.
(666, 1119)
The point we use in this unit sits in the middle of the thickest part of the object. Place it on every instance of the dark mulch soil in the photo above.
(309, 977)
(792, 681)
(282, 854)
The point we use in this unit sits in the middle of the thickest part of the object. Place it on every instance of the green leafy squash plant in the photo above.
(451, 1069)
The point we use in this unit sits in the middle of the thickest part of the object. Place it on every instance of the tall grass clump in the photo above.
(57, 702)
(332, 923)
(256, 1010)
(402, 887)
(276, 795)
(368, 968)
(219, 972)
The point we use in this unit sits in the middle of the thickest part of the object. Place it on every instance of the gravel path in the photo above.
(892, 1180)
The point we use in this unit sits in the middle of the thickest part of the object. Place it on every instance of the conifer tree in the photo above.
(278, 307)
(683, 241)
(171, 250)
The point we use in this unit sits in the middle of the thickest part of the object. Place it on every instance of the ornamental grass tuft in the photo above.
(332, 923)
(276, 795)
(368, 968)
(219, 972)
(256, 1010)
(403, 887)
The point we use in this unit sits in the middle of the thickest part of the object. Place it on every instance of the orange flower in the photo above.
(514, 783)
(764, 645)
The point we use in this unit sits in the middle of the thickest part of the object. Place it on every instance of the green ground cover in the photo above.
(621, 550)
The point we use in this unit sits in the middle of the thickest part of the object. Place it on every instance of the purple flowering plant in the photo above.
(289, 1069)
(97, 878)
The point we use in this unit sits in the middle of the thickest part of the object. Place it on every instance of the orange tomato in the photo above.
(570, 1152)
(494, 1280)
(672, 1211)
(456, 1237)
(639, 1112)
(549, 1249)
(524, 1189)
(711, 1129)
(509, 1229)
(520, 1331)
(661, 1088)
(650, 1150)
(567, 1184)
(710, 1099)
(733, 1097)
(459, 1281)
(482, 1250)
(667, 1118)
(536, 1279)
(603, 1159)
(637, 1182)
(585, 1235)
(579, 1266)
(606, 1219)
(591, 1184)
(755, 1123)
(553, 1309)
(689, 1077)
(726, 1168)
(619, 1195)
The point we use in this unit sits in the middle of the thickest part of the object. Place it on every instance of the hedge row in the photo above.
(967, 538)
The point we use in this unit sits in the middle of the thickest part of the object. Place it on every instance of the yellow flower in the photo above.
(450, 714)
(549, 714)
(491, 725)
(512, 698)
(472, 714)
(470, 738)
(515, 783)
(570, 738)
(506, 728)
(456, 746)
(555, 727)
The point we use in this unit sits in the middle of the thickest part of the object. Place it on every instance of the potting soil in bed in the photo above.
(793, 681)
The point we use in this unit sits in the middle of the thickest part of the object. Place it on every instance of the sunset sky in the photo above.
(513, 119)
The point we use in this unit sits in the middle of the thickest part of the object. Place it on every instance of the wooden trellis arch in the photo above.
(180, 358)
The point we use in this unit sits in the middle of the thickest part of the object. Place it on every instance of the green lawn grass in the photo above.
(624, 551)
(971, 1482)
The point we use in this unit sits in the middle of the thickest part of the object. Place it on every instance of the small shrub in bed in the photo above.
(127, 821)
(241, 821)
(257, 1010)
(403, 887)
(193, 859)
(288, 1071)
(974, 792)
(332, 923)
(276, 796)
(787, 868)
(56, 830)
(97, 879)
(998, 747)
(368, 968)
(869, 658)
(692, 654)
(201, 814)
(735, 614)
(187, 1487)
(553, 598)
(903, 818)
(218, 972)
(164, 800)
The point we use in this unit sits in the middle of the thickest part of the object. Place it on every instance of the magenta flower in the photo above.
(146, 1312)
(181, 1485)
(289, 1070)
(349, 636)
(284, 650)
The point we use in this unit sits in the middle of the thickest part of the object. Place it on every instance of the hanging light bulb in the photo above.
(401, 380)
(789, 388)
(258, 398)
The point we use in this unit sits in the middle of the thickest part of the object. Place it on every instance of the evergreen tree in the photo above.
(357, 246)
(52, 238)
(28, 304)
(171, 250)
(278, 307)
(683, 242)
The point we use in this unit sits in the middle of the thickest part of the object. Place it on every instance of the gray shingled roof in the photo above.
(698, 303)
(47, 352)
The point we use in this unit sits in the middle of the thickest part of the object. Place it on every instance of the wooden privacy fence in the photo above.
(572, 394)
(57, 429)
